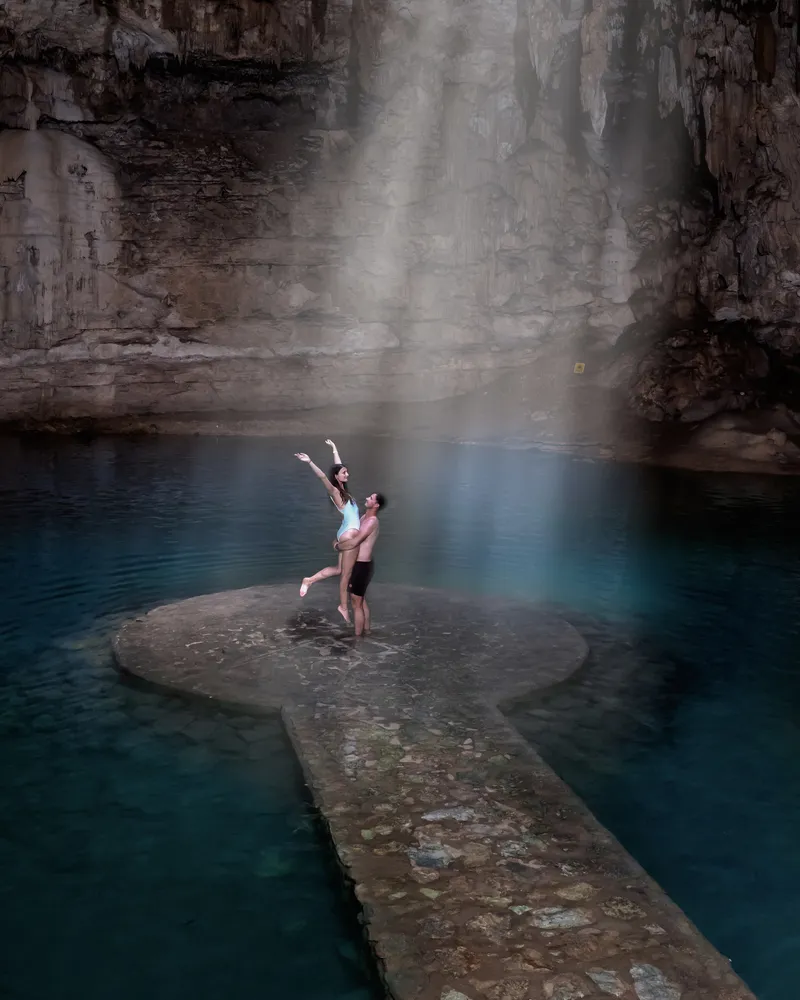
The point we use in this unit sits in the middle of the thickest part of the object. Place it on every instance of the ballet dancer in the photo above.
(336, 485)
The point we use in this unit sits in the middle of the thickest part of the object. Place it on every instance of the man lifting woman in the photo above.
(355, 541)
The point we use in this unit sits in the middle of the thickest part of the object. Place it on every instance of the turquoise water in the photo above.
(148, 846)
(151, 845)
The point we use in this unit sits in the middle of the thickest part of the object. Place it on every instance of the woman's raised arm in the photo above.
(336, 458)
(337, 499)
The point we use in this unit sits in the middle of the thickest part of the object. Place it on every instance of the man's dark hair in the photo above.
(380, 500)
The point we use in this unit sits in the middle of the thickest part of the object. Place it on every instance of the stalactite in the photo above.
(765, 49)
(797, 46)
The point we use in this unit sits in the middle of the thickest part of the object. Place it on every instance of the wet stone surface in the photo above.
(479, 873)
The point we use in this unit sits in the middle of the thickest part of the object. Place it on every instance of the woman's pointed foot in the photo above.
(304, 586)
(344, 612)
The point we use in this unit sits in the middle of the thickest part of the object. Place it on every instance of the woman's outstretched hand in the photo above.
(330, 443)
(302, 456)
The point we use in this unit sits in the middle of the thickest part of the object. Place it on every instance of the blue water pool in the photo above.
(150, 844)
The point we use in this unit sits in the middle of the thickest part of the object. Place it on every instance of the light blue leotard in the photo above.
(350, 518)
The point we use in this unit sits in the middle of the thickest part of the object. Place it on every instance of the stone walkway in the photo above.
(479, 873)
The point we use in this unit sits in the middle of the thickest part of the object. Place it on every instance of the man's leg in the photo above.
(365, 609)
(358, 613)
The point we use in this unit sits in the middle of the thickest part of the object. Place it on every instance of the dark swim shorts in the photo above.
(359, 581)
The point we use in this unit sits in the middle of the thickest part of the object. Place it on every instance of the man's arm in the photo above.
(353, 543)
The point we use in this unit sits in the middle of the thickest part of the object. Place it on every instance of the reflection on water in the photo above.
(681, 732)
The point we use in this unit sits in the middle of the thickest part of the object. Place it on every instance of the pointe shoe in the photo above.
(304, 588)
(344, 613)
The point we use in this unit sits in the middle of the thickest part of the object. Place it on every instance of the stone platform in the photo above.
(479, 873)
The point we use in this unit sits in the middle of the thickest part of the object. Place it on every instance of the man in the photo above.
(364, 541)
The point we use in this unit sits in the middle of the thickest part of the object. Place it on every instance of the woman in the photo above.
(336, 485)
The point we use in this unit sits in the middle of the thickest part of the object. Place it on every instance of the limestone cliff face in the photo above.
(272, 205)
(253, 206)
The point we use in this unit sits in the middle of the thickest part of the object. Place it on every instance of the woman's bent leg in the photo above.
(322, 575)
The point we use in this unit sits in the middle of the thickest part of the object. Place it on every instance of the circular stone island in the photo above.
(480, 874)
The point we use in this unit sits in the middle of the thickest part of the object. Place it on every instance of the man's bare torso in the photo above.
(366, 547)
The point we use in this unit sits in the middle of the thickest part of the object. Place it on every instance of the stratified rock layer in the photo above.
(258, 208)
(480, 874)
(271, 206)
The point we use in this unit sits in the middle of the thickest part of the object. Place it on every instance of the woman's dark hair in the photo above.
(341, 487)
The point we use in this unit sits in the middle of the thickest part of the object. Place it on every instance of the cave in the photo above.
(535, 266)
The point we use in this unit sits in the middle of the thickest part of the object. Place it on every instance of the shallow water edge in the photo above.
(669, 450)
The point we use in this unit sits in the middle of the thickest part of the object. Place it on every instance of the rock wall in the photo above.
(211, 207)
(270, 206)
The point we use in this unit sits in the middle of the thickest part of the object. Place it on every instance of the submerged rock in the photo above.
(650, 983)
(607, 981)
(459, 813)
(555, 917)
(432, 856)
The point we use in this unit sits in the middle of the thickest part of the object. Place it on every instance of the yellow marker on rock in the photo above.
(579, 367)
